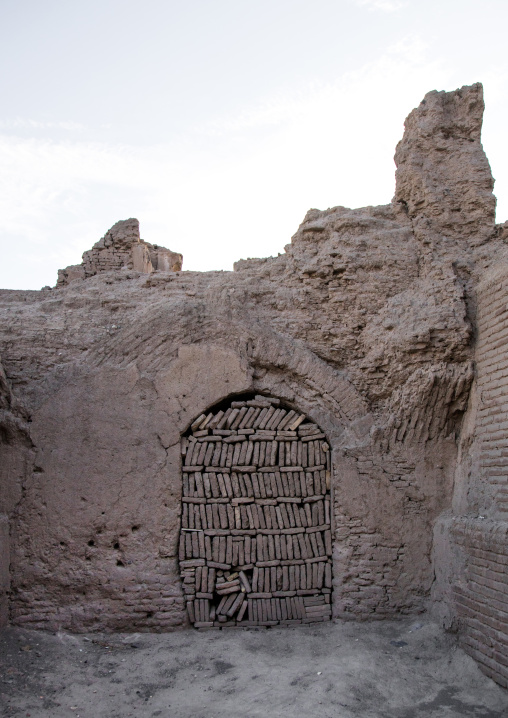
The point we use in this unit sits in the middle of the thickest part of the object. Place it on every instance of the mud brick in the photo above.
(224, 455)
(321, 512)
(289, 546)
(244, 517)
(223, 515)
(222, 549)
(273, 516)
(214, 485)
(201, 544)
(262, 594)
(315, 513)
(291, 483)
(282, 510)
(262, 448)
(202, 513)
(264, 418)
(199, 573)
(215, 460)
(227, 485)
(222, 485)
(188, 546)
(264, 612)
(273, 484)
(211, 446)
(266, 549)
(314, 601)
(255, 485)
(234, 558)
(313, 542)
(192, 563)
(301, 483)
(271, 614)
(271, 548)
(210, 580)
(290, 517)
(185, 484)
(294, 453)
(202, 453)
(226, 589)
(230, 419)
(267, 517)
(302, 515)
(230, 599)
(235, 605)
(190, 611)
(185, 516)
(229, 458)
(327, 511)
(295, 422)
(328, 576)
(215, 515)
(302, 546)
(181, 548)
(266, 491)
(229, 550)
(312, 437)
(320, 544)
(237, 452)
(320, 574)
(242, 608)
(259, 547)
(309, 481)
(273, 578)
(301, 607)
(292, 578)
(277, 542)
(296, 514)
(247, 478)
(310, 449)
(195, 545)
(308, 515)
(193, 500)
(255, 453)
(282, 483)
(197, 517)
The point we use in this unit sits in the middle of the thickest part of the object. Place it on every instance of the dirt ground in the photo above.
(393, 669)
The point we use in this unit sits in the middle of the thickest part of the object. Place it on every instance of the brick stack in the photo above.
(255, 541)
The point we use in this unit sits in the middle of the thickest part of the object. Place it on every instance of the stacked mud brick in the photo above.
(255, 542)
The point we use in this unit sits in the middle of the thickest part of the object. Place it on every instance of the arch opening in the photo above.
(255, 538)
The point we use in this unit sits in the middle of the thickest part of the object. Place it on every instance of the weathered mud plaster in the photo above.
(367, 324)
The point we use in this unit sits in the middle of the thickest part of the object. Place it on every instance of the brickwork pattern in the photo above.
(255, 541)
(481, 595)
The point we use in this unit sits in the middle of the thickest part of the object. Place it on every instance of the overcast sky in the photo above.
(219, 123)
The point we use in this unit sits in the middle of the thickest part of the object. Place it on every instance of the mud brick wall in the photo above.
(481, 592)
(256, 542)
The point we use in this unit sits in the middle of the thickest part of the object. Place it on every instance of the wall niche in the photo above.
(255, 541)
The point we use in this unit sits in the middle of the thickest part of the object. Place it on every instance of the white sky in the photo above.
(219, 123)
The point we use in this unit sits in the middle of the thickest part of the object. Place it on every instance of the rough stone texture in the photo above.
(122, 247)
(366, 324)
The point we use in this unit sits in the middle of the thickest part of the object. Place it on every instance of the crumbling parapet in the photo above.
(122, 248)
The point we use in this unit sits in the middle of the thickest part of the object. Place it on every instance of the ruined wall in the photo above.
(121, 247)
(15, 459)
(366, 325)
(475, 559)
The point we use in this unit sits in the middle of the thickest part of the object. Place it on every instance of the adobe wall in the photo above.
(476, 574)
(366, 324)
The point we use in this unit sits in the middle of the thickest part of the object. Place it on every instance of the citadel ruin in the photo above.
(319, 435)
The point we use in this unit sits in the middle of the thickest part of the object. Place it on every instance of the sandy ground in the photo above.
(402, 669)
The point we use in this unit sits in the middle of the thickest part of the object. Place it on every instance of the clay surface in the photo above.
(378, 324)
(403, 668)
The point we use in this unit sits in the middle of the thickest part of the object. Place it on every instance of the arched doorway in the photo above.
(255, 542)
